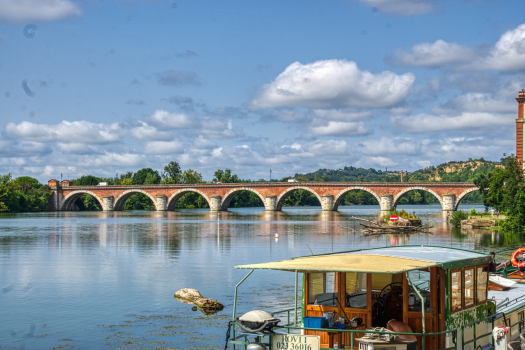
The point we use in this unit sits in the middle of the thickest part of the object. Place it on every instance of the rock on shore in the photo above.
(195, 297)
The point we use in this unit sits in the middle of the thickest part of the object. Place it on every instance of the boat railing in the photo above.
(288, 312)
(508, 303)
(452, 333)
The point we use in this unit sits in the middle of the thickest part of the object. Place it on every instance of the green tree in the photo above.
(172, 173)
(86, 180)
(225, 176)
(139, 178)
(191, 176)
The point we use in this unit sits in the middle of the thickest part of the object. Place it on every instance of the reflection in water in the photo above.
(106, 279)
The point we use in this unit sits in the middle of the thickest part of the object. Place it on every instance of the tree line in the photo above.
(25, 194)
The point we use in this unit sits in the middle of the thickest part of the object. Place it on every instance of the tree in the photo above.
(86, 180)
(225, 176)
(191, 176)
(172, 173)
(139, 178)
(126, 181)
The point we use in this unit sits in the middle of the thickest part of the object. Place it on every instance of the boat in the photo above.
(438, 296)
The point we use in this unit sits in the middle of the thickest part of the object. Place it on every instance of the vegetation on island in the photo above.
(27, 194)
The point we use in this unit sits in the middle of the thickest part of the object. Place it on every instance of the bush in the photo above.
(473, 211)
(457, 217)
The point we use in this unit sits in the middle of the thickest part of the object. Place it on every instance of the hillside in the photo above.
(461, 171)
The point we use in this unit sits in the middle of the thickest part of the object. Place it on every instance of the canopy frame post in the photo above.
(422, 307)
(235, 295)
(295, 312)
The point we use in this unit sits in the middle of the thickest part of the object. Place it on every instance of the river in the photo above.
(98, 280)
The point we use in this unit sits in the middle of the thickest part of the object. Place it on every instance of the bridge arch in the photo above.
(462, 195)
(339, 197)
(69, 200)
(412, 188)
(229, 196)
(174, 198)
(120, 201)
(288, 191)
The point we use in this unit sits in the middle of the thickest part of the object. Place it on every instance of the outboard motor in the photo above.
(257, 322)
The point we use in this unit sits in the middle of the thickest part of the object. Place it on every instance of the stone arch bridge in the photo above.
(272, 195)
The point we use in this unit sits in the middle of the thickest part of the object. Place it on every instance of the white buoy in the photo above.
(276, 235)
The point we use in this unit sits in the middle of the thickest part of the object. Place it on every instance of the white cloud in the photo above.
(509, 52)
(162, 147)
(507, 55)
(202, 143)
(463, 121)
(342, 115)
(66, 131)
(218, 129)
(402, 7)
(147, 132)
(437, 54)
(78, 148)
(165, 119)
(37, 10)
(333, 84)
(390, 146)
(322, 128)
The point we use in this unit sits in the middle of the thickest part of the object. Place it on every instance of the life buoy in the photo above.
(518, 258)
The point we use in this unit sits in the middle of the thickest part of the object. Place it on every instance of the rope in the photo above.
(228, 334)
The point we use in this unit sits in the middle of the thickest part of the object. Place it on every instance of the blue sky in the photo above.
(105, 87)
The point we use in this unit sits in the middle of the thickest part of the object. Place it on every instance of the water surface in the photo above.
(96, 280)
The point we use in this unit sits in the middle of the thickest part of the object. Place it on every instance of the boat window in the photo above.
(469, 287)
(421, 280)
(355, 289)
(456, 290)
(321, 289)
(481, 281)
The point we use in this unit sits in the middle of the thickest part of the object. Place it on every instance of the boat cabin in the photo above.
(430, 289)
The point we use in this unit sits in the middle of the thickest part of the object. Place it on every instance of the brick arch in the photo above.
(174, 198)
(69, 200)
(229, 196)
(463, 194)
(288, 191)
(400, 194)
(340, 195)
(124, 196)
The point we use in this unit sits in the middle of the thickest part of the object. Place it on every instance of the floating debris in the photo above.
(194, 296)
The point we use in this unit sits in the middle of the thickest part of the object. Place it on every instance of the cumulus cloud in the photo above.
(168, 120)
(143, 131)
(218, 129)
(509, 52)
(333, 84)
(66, 131)
(163, 147)
(464, 121)
(78, 148)
(37, 10)
(507, 55)
(202, 143)
(402, 7)
(24, 149)
(333, 128)
(437, 54)
(179, 78)
(342, 115)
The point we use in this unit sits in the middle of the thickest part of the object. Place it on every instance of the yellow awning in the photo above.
(345, 263)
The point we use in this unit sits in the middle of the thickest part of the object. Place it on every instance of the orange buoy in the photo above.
(518, 258)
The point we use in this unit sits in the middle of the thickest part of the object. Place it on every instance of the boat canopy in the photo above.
(379, 260)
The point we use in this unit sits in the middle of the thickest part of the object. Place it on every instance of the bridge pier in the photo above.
(215, 203)
(271, 203)
(449, 202)
(108, 203)
(386, 203)
(327, 202)
(162, 202)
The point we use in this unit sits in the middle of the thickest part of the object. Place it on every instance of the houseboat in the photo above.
(437, 298)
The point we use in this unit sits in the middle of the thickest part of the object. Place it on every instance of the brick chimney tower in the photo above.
(519, 128)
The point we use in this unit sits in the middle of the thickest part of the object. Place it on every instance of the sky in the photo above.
(104, 87)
